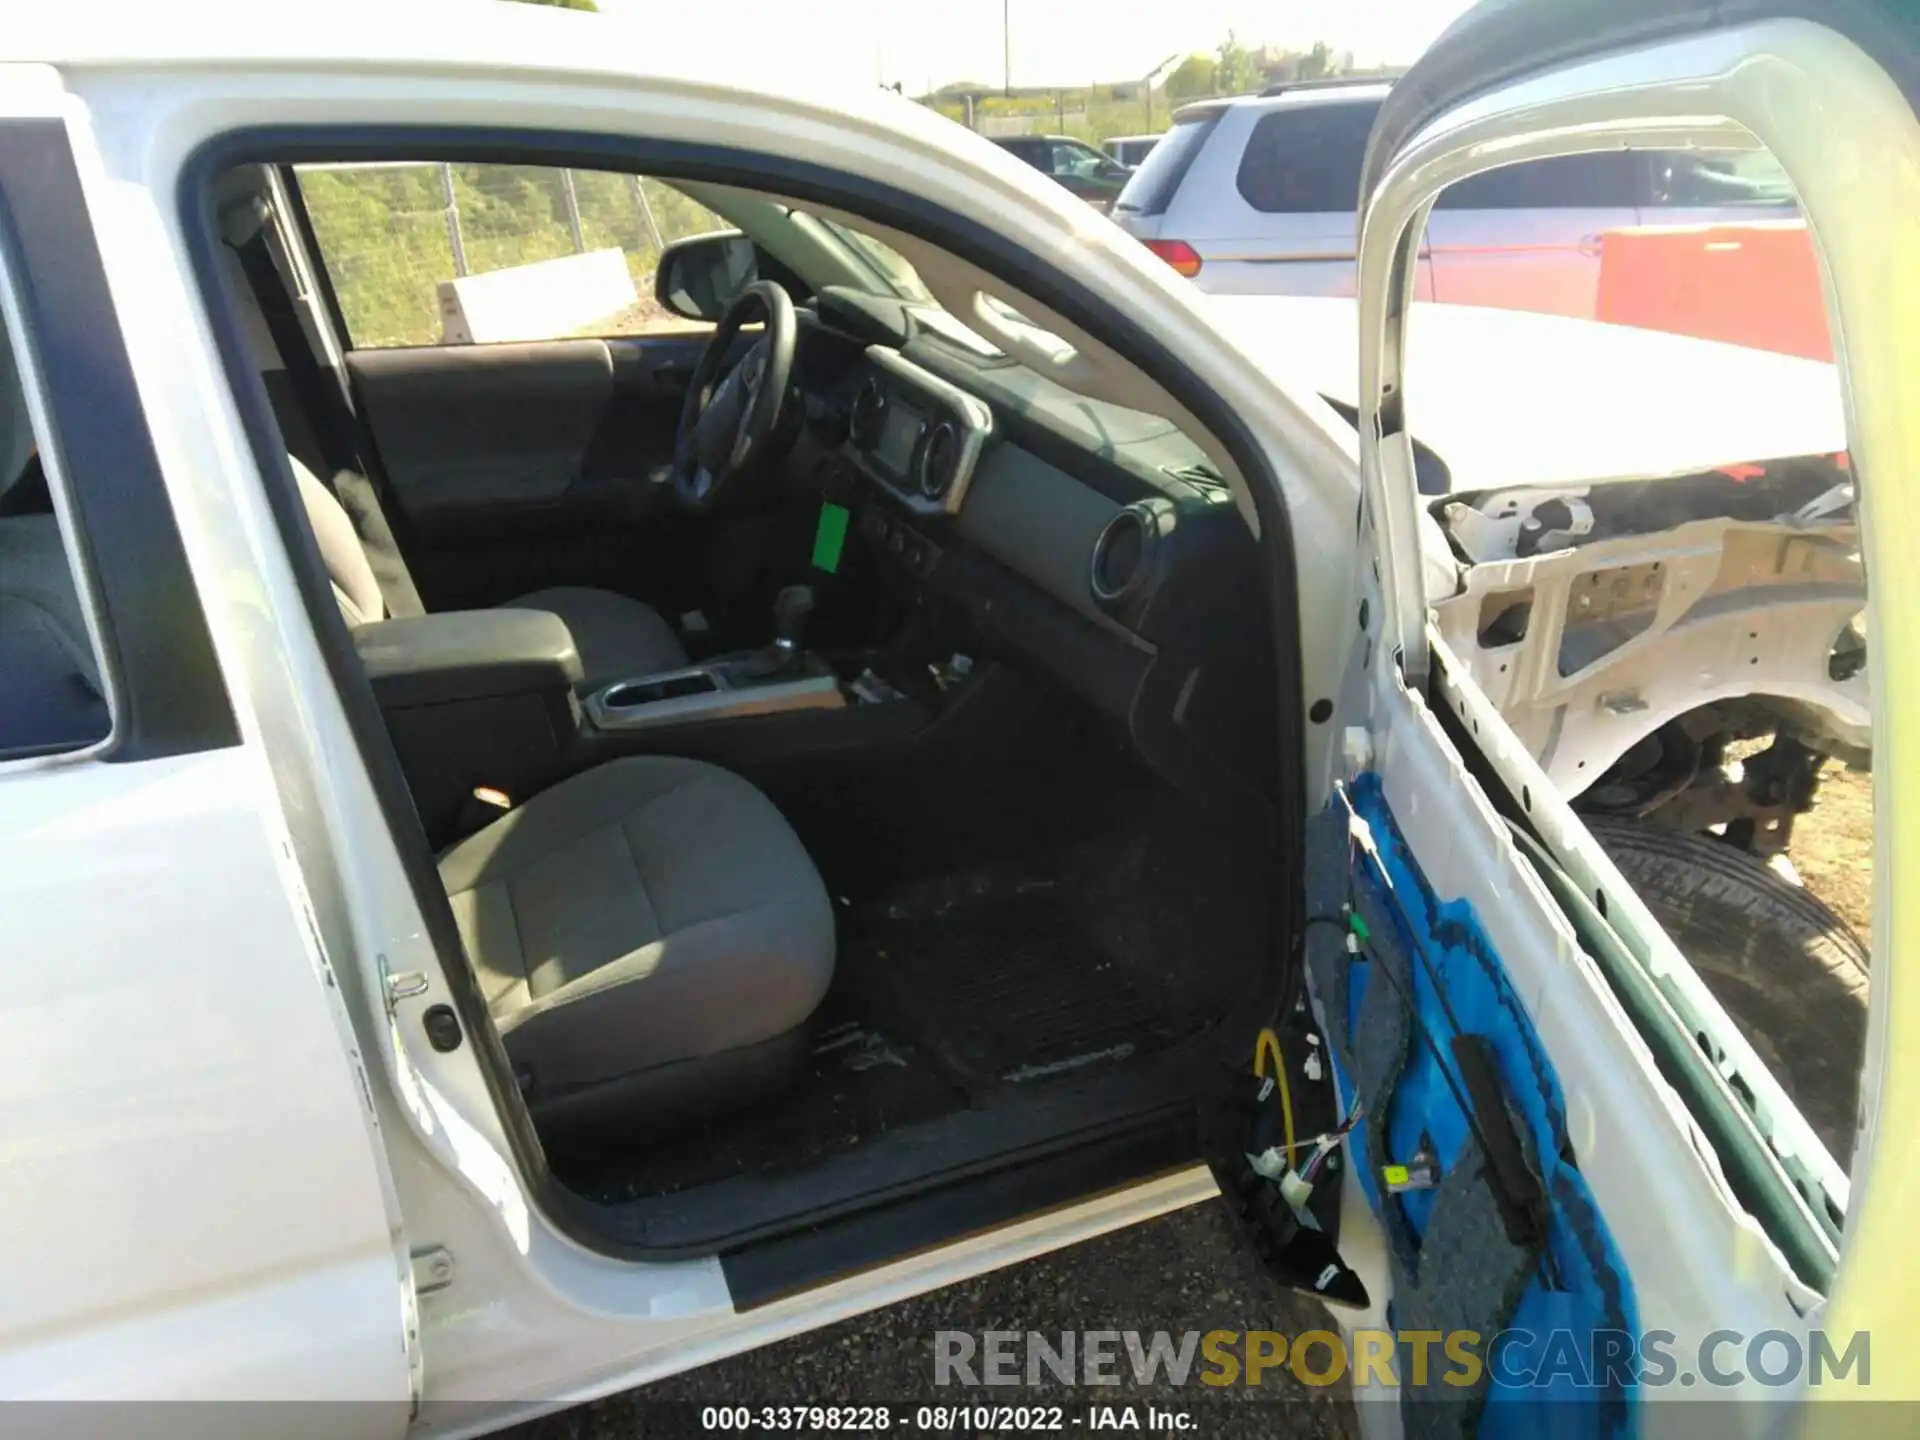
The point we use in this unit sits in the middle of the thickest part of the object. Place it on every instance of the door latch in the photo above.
(404, 986)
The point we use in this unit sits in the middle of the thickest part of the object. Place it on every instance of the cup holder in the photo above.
(631, 694)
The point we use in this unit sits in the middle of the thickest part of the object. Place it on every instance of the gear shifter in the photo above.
(790, 611)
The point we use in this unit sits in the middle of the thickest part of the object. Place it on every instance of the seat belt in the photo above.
(328, 412)
(321, 400)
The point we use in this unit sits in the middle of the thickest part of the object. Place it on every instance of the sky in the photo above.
(1054, 42)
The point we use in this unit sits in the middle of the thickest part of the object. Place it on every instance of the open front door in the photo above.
(1580, 934)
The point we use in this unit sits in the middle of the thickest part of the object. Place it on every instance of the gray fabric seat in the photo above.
(651, 938)
(618, 637)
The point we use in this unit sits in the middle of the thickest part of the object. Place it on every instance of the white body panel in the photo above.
(1507, 398)
(193, 1181)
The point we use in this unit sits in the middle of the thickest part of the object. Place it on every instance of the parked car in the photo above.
(1129, 150)
(527, 868)
(1083, 170)
(1257, 195)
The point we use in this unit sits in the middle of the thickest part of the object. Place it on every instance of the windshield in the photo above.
(897, 277)
(890, 267)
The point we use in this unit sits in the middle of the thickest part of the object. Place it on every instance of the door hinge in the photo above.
(432, 1269)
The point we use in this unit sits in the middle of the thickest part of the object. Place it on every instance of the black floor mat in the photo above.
(997, 971)
(859, 1083)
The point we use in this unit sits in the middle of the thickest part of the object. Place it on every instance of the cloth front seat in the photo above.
(651, 939)
(618, 638)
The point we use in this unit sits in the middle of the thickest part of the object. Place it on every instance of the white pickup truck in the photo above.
(526, 868)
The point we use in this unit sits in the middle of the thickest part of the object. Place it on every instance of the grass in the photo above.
(387, 243)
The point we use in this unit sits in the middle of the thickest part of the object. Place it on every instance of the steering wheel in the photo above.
(726, 427)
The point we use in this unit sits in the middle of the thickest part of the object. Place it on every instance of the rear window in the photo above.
(1306, 159)
(1566, 182)
(1151, 189)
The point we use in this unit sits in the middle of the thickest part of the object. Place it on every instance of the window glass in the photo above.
(1567, 182)
(1079, 161)
(1152, 186)
(52, 697)
(1306, 159)
(428, 254)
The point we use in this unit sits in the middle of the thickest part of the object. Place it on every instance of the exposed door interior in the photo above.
(1596, 961)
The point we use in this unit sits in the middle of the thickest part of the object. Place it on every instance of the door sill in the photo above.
(921, 1185)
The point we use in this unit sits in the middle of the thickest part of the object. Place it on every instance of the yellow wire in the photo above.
(1270, 1042)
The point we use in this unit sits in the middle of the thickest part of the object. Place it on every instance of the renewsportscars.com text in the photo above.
(1460, 1358)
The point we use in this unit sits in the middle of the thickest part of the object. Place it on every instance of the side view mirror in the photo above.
(700, 276)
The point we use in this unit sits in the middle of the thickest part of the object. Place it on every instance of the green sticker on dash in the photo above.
(830, 537)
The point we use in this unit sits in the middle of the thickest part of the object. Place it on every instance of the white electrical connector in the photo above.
(1269, 1164)
(1294, 1190)
(1310, 1067)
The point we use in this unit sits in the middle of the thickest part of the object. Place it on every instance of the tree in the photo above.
(1193, 77)
(1235, 72)
(1317, 62)
(564, 4)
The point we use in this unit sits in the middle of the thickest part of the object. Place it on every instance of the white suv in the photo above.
(1257, 195)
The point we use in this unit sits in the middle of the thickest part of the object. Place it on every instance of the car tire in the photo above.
(1791, 973)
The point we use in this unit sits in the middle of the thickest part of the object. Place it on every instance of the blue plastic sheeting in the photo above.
(1579, 1331)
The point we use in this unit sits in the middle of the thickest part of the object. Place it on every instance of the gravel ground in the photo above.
(1833, 846)
(1185, 1271)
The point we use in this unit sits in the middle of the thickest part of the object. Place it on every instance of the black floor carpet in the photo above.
(1000, 973)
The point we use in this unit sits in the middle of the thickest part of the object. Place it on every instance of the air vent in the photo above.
(1123, 554)
(939, 461)
(869, 413)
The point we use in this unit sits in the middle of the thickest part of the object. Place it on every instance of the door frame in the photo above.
(1829, 113)
(259, 1224)
(590, 1321)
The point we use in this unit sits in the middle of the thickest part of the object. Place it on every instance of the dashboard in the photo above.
(916, 434)
(1086, 543)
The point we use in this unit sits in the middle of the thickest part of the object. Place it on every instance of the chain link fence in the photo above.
(391, 232)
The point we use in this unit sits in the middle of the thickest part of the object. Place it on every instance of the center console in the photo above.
(485, 707)
(475, 700)
(780, 678)
(725, 689)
